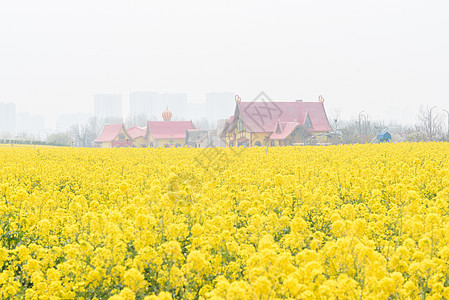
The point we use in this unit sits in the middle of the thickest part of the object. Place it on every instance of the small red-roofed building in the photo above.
(137, 135)
(277, 123)
(112, 136)
(167, 133)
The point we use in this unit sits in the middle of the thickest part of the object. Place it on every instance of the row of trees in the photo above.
(430, 126)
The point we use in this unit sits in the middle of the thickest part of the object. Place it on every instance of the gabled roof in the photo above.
(169, 129)
(384, 135)
(137, 131)
(285, 128)
(307, 122)
(262, 117)
(110, 132)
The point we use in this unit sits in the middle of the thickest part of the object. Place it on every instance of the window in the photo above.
(258, 144)
(240, 125)
(278, 129)
(307, 123)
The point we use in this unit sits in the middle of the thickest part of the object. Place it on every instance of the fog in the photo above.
(386, 58)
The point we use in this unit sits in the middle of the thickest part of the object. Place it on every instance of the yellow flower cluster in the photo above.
(336, 222)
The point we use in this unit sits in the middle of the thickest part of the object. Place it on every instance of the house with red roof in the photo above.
(276, 123)
(113, 135)
(167, 133)
(137, 135)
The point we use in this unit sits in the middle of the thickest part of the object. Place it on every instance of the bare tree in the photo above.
(447, 127)
(430, 123)
(95, 126)
(84, 134)
(361, 131)
(78, 134)
(335, 120)
(137, 120)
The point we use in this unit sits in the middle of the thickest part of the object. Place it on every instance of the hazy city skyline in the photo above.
(109, 107)
(386, 58)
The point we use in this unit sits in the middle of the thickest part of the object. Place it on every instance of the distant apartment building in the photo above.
(7, 119)
(219, 106)
(30, 125)
(144, 104)
(108, 106)
(66, 121)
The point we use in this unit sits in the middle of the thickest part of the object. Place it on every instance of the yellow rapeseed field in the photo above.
(336, 222)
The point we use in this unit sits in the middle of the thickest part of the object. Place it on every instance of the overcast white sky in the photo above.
(384, 57)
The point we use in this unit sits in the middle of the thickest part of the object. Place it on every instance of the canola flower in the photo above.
(336, 222)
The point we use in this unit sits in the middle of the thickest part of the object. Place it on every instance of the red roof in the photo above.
(169, 129)
(110, 132)
(137, 131)
(263, 116)
(285, 129)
